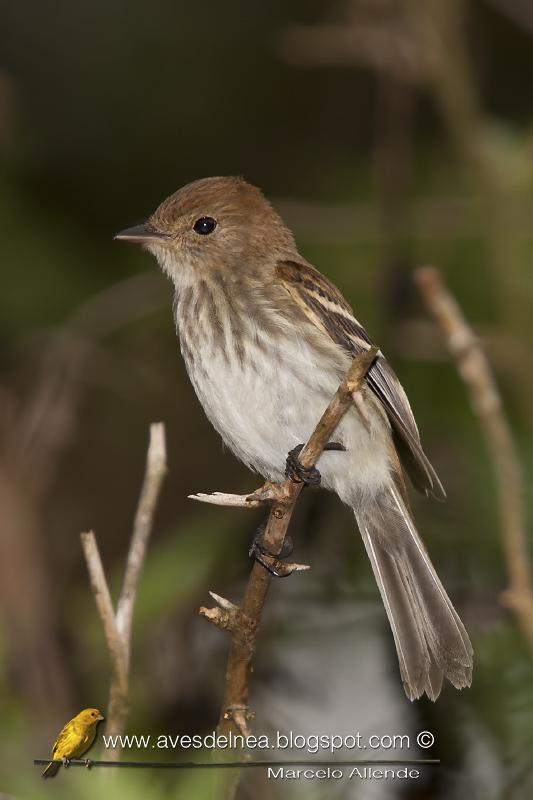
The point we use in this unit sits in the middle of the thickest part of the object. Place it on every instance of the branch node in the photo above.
(224, 620)
(240, 715)
(226, 616)
(270, 492)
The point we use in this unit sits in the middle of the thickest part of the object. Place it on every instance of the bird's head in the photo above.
(90, 716)
(214, 225)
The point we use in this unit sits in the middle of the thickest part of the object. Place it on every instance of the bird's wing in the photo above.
(63, 742)
(73, 741)
(325, 307)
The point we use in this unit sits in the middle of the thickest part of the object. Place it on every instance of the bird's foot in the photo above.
(66, 762)
(295, 470)
(272, 561)
(259, 541)
(297, 473)
(88, 763)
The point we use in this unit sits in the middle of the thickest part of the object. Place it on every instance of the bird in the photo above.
(266, 339)
(74, 739)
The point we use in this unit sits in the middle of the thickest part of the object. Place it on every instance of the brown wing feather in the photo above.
(325, 306)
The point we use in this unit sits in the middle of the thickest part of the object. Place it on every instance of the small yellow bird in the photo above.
(74, 739)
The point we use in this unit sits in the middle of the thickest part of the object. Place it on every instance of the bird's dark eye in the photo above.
(205, 225)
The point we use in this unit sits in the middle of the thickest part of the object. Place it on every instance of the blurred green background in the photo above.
(390, 134)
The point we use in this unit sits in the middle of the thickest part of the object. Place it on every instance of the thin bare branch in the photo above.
(475, 371)
(118, 626)
(102, 598)
(228, 500)
(156, 468)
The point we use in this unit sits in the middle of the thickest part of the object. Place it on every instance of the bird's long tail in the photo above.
(431, 640)
(51, 769)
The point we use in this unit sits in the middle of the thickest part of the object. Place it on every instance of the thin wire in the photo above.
(237, 764)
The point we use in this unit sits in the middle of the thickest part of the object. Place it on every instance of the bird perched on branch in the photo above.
(266, 340)
(74, 739)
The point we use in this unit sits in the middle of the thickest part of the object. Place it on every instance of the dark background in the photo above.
(390, 135)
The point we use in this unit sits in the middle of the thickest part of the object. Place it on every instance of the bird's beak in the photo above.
(140, 233)
(100, 717)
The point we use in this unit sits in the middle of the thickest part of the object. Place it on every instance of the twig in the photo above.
(104, 604)
(118, 626)
(156, 467)
(244, 622)
(221, 499)
(475, 371)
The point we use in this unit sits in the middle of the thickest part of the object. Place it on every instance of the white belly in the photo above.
(263, 407)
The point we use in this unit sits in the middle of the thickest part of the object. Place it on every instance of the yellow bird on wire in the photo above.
(74, 739)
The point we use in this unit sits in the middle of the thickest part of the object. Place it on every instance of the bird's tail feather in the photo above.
(431, 640)
(51, 769)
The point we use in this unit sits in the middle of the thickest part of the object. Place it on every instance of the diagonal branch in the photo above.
(244, 622)
(156, 468)
(118, 626)
(104, 605)
(475, 371)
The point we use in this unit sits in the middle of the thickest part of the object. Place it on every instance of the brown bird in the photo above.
(74, 739)
(266, 339)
